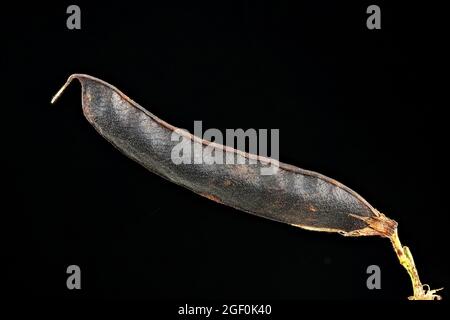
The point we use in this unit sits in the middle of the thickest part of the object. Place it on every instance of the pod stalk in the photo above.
(421, 291)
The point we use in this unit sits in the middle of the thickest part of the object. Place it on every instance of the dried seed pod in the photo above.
(292, 195)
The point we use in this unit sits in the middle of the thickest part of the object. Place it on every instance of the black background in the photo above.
(362, 106)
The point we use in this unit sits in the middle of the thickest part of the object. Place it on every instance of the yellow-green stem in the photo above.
(421, 292)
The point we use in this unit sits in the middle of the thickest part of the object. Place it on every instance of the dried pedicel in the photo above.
(292, 195)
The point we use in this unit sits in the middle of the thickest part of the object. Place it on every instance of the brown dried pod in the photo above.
(292, 195)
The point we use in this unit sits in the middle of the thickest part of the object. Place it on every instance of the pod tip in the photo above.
(60, 91)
